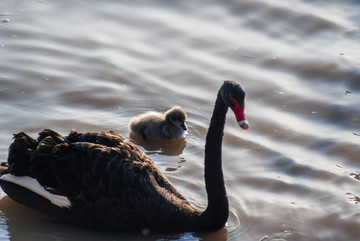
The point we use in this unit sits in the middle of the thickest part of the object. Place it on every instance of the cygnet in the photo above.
(158, 126)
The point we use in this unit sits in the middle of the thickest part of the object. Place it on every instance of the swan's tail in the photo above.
(25, 151)
(20, 153)
(28, 173)
(3, 168)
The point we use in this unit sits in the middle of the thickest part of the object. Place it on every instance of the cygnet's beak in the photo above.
(183, 126)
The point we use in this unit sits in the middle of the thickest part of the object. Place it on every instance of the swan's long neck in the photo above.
(216, 214)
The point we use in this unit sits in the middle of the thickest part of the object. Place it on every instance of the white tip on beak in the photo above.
(244, 124)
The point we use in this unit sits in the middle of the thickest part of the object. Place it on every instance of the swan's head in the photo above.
(177, 116)
(233, 94)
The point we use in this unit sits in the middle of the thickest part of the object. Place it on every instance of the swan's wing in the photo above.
(114, 173)
(22, 183)
(93, 166)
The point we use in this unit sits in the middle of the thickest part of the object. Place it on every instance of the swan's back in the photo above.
(110, 183)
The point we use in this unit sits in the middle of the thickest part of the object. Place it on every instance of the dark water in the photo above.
(92, 65)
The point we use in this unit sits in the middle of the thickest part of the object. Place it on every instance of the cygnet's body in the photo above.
(158, 126)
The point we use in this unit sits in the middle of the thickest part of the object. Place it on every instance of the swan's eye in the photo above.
(240, 114)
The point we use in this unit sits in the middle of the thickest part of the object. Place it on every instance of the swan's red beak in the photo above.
(240, 115)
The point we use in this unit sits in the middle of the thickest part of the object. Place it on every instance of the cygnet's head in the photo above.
(176, 116)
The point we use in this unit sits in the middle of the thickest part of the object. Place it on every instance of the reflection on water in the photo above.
(164, 147)
(92, 66)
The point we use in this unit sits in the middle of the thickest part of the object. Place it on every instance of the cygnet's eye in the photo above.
(178, 119)
(181, 120)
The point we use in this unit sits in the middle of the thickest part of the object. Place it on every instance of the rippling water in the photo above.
(92, 65)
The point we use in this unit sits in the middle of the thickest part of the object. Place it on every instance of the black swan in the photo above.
(102, 181)
(157, 126)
